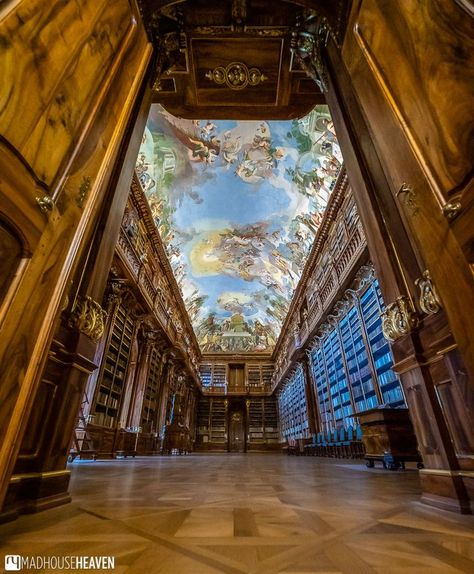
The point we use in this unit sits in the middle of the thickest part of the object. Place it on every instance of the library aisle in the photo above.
(244, 513)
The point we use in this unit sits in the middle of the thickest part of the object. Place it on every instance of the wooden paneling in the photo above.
(400, 98)
(104, 45)
(54, 60)
(263, 54)
(202, 36)
(408, 67)
(11, 250)
(421, 55)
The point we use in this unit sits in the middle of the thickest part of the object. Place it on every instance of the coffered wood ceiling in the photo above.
(237, 203)
(232, 59)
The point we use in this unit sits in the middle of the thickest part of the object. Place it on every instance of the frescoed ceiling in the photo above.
(237, 204)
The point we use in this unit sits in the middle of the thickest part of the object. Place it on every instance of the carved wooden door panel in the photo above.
(236, 432)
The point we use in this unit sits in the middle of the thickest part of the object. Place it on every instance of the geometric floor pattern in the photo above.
(247, 513)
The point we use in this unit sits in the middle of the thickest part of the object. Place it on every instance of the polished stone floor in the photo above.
(233, 514)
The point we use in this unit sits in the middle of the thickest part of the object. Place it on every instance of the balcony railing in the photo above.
(225, 389)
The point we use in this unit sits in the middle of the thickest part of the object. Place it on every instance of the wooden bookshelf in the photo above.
(152, 393)
(110, 387)
(256, 433)
(293, 408)
(352, 363)
(213, 376)
(270, 421)
(218, 428)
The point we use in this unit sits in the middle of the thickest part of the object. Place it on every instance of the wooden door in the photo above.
(236, 432)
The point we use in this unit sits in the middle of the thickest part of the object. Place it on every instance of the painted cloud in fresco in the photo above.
(237, 204)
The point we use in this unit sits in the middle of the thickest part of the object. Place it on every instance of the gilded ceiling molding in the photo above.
(236, 76)
(171, 25)
(429, 301)
(88, 317)
(398, 319)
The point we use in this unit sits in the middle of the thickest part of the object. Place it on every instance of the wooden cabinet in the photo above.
(218, 430)
(177, 437)
(259, 376)
(262, 424)
(388, 435)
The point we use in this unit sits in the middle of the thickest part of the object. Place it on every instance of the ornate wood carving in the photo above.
(230, 63)
(88, 317)
(236, 76)
(398, 319)
(429, 299)
(141, 249)
(338, 246)
(45, 203)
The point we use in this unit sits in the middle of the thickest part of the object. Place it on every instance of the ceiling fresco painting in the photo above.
(237, 204)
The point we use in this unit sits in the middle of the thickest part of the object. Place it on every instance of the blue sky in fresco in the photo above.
(237, 210)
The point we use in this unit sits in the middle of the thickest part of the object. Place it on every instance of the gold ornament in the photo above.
(398, 319)
(236, 76)
(429, 300)
(88, 317)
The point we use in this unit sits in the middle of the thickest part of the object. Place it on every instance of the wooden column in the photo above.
(310, 388)
(63, 162)
(132, 408)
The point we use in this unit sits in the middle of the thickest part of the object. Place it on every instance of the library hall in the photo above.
(237, 286)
